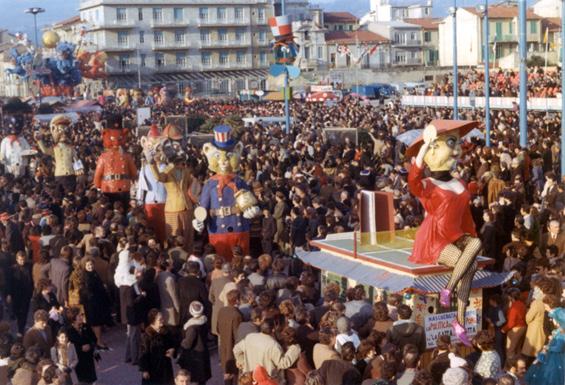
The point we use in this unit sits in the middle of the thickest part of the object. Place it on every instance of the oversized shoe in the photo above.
(460, 333)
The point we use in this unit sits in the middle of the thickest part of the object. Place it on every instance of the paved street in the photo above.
(112, 370)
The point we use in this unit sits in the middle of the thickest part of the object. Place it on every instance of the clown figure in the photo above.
(226, 203)
(67, 165)
(447, 235)
(149, 190)
(115, 169)
(14, 146)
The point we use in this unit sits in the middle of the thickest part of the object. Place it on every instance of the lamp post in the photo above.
(483, 9)
(34, 11)
(453, 13)
(562, 88)
(522, 24)
(286, 86)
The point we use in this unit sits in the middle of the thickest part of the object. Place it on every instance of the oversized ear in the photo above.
(238, 149)
(207, 148)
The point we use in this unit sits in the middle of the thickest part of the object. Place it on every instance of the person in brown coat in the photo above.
(324, 350)
(216, 288)
(39, 334)
(227, 330)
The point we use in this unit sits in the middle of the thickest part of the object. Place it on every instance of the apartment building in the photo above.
(222, 42)
(503, 36)
(429, 36)
(309, 34)
(406, 47)
(340, 21)
(387, 11)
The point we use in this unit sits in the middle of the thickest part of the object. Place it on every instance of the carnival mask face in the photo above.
(150, 146)
(221, 161)
(171, 151)
(443, 153)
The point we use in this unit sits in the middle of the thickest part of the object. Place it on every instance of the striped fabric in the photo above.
(371, 274)
(280, 26)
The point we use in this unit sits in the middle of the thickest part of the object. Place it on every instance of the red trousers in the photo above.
(224, 242)
(155, 213)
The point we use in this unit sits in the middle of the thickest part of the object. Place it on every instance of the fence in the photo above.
(497, 103)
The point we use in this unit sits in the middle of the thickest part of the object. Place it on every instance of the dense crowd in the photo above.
(503, 83)
(77, 264)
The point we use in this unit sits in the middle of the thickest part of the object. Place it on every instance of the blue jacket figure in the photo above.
(549, 367)
(226, 203)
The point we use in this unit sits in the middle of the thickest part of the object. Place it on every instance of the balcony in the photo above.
(503, 38)
(409, 62)
(169, 23)
(228, 21)
(119, 47)
(115, 24)
(170, 45)
(223, 43)
(407, 43)
(225, 66)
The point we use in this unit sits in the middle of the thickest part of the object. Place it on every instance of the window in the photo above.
(158, 37)
(239, 35)
(140, 13)
(427, 36)
(262, 58)
(498, 30)
(179, 37)
(262, 37)
(240, 57)
(142, 59)
(306, 35)
(340, 27)
(400, 57)
(181, 60)
(159, 60)
(306, 53)
(400, 38)
(97, 16)
(157, 14)
(510, 28)
(121, 14)
(533, 26)
(141, 37)
(124, 62)
(412, 36)
(205, 36)
(222, 35)
(203, 13)
(414, 55)
(224, 58)
(178, 14)
(206, 58)
(426, 11)
(239, 84)
(238, 13)
(122, 38)
(224, 86)
(221, 13)
(261, 15)
(320, 53)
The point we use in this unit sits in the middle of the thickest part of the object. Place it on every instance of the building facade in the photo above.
(406, 47)
(357, 50)
(429, 36)
(309, 34)
(227, 38)
(340, 21)
(387, 10)
(503, 37)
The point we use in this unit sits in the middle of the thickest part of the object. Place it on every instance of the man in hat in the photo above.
(150, 191)
(447, 235)
(67, 164)
(228, 203)
(14, 146)
(115, 169)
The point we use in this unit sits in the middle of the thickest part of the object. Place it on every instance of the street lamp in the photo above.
(562, 88)
(34, 11)
(522, 24)
(453, 13)
(483, 11)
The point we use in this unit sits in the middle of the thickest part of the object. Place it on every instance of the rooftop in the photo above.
(553, 23)
(346, 37)
(340, 17)
(66, 22)
(425, 23)
(502, 12)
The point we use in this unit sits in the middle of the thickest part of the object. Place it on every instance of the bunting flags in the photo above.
(344, 50)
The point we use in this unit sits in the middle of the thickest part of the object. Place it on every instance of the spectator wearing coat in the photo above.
(194, 355)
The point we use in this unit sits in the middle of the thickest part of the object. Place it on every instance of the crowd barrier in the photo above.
(539, 104)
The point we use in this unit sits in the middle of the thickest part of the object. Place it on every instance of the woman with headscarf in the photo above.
(194, 355)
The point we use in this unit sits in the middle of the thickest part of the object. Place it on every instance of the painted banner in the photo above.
(440, 324)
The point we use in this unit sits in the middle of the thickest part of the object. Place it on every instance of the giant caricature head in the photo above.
(445, 148)
(151, 142)
(14, 116)
(59, 125)
(223, 153)
(114, 135)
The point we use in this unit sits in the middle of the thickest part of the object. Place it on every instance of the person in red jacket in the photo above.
(447, 235)
(515, 326)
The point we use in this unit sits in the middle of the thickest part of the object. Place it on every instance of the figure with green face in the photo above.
(447, 235)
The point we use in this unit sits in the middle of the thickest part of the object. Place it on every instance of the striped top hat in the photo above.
(280, 26)
(222, 137)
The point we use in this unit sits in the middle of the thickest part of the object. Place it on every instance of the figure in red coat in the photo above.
(115, 169)
(447, 235)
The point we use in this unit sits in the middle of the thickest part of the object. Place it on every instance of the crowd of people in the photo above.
(78, 264)
(542, 83)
